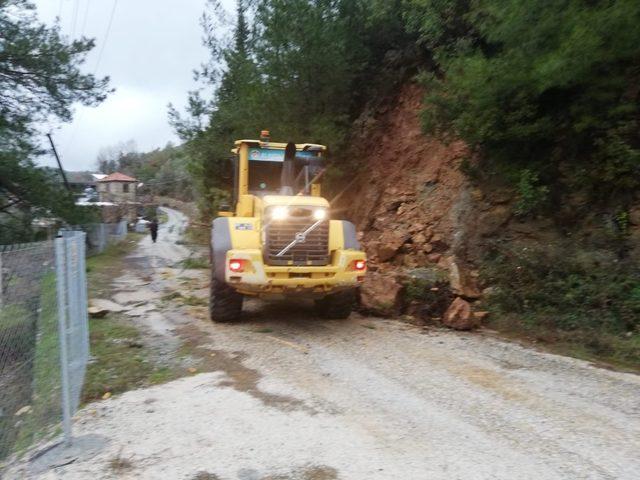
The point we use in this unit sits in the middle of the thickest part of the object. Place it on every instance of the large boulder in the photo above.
(380, 294)
(389, 243)
(462, 281)
(459, 316)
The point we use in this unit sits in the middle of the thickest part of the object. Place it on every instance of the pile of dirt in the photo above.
(413, 207)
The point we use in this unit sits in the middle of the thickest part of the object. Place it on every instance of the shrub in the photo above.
(587, 297)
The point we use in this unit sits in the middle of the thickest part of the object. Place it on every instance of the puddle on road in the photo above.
(239, 376)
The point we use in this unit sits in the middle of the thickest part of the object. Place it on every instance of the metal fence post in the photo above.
(1, 285)
(61, 286)
(84, 307)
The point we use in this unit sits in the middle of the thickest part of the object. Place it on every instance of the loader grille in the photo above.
(313, 251)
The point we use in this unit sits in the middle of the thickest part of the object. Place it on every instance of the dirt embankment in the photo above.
(418, 214)
(427, 227)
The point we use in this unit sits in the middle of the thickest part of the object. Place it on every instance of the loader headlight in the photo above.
(320, 213)
(279, 213)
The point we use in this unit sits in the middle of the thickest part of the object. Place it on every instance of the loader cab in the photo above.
(260, 167)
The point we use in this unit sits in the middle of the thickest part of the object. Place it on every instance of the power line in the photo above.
(74, 17)
(84, 18)
(106, 35)
(95, 71)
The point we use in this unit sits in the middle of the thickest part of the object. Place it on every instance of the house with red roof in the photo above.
(117, 188)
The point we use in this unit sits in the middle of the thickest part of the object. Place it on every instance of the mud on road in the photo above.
(285, 395)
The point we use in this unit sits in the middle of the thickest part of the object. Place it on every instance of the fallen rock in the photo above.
(459, 317)
(24, 410)
(462, 282)
(388, 245)
(380, 294)
(95, 312)
(99, 307)
(481, 314)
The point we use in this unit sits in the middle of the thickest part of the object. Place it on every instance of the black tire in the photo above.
(336, 306)
(225, 304)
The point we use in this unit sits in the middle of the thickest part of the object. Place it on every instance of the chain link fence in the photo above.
(44, 339)
(100, 235)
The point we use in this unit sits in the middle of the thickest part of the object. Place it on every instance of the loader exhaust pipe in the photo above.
(287, 179)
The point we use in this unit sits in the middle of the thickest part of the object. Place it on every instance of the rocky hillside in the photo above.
(427, 227)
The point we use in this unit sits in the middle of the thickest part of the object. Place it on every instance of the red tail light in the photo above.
(236, 265)
(359, 265)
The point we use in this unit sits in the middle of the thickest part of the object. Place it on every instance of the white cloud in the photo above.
(150, 53)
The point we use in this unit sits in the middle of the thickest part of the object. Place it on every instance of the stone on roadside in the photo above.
(380, 294)
(459, 317)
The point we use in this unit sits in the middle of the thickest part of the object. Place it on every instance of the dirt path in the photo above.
(285, 395)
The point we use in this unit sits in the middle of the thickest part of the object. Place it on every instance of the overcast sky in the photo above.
(149, 52)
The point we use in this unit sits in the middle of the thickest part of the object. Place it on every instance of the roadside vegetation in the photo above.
(583, 302)
(121, 359)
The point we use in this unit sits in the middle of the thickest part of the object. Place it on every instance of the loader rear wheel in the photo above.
(225, 304)
(336, 306)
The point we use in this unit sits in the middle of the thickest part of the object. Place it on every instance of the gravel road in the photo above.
(286, 395)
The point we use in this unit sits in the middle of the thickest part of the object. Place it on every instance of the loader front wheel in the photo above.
(225, 304)
(336, 306)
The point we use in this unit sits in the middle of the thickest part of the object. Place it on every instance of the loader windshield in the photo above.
(264, 177)
(265, 170)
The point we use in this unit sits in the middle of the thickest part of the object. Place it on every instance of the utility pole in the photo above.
(55, 153)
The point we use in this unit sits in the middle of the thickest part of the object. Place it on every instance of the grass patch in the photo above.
(585, 303)
(195, 262)
(194, 301)
(198, 234)
(171, 296)
(121, 359)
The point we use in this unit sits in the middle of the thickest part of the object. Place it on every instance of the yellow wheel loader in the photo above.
(279, 240)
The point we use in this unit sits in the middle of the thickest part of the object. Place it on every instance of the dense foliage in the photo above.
(40, 78)
(545, 91)
(560, 292)
(547, 87)
(301, 70)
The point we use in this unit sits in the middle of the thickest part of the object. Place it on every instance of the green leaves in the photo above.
(40, 78)
(537, 82)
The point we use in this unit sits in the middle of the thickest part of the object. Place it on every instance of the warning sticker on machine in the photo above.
(244, 226)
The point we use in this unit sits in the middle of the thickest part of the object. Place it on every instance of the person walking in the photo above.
(153, 228)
